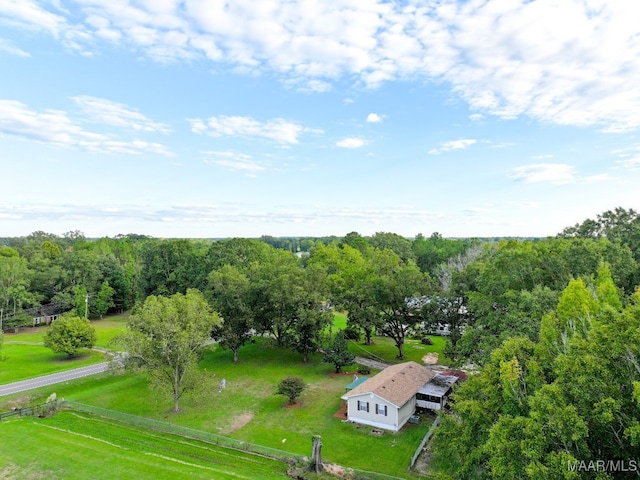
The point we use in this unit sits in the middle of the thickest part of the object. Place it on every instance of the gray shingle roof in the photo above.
(396, 384)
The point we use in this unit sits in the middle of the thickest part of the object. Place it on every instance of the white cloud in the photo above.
(476, 117)
(8, 47)
(30, 15)
(118, 114)
(597, 178)
(453, 145)
(374, 118)
(214, 213)
(569, 62)
(557, 173)
(234, 161)
(56, 128)
(629, 157)
(351, 142)
(277, 129)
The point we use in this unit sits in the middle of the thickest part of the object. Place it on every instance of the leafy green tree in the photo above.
(534, 408)
(278, 293)
(14, 277)
(398, 297)
(69, 334)
(81, 301)
(576, 304)
(166, 338)
(357, 241)
(312, 317)
(619, 225)
(103, 300)
(171, 266)
(338, 352)
(399, 245)
(431, 252)
(241, 253)
(606, 291)
(230, 294)
(350, 279)
(292, 387)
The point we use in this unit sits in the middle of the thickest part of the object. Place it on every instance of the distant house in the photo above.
(388, 399)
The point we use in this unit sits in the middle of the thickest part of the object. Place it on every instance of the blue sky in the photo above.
(204, 118)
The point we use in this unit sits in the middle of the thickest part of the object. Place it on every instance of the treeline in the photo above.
(565, 405)
(552, 324)
(483, 292)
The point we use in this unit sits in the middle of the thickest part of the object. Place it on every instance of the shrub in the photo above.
(292, 387)
(364, 370)
(426, 341)
(69, 334)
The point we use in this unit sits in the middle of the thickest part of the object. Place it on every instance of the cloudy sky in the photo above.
(211, 118)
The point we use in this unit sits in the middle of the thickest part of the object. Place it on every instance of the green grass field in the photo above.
(26, 357)
(384, 349)
(106, 449)
(248, 409)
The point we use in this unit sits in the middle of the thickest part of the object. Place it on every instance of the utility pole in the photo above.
(86, 306)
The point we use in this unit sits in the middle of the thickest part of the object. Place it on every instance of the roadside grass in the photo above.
(248, 408)
(28, 361)
(79, 446)
(26, 356)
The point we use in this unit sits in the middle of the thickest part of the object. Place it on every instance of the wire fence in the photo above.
(220, 440)
(171, 428)
(424, 441)
(38, 410)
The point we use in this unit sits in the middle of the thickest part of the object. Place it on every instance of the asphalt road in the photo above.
(54, 378)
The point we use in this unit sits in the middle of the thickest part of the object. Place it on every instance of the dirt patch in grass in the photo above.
(342, 412)
(18, 402)
(14, 472)
(238, 422)
(430, 358)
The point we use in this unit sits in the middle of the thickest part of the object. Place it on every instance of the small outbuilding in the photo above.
(434, 395)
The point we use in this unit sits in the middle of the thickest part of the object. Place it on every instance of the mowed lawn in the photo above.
(25, 356)
(80, 446)
(385, 350)
(249, 409)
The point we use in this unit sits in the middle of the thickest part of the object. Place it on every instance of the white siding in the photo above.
(372, 418)
(429, 405)
(406, 411)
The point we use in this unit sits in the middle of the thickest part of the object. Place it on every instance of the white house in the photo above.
(388, 399)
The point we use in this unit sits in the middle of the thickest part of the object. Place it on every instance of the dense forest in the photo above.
(552, 325)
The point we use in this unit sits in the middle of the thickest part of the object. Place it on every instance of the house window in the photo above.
(381, 409)
(364, 406)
